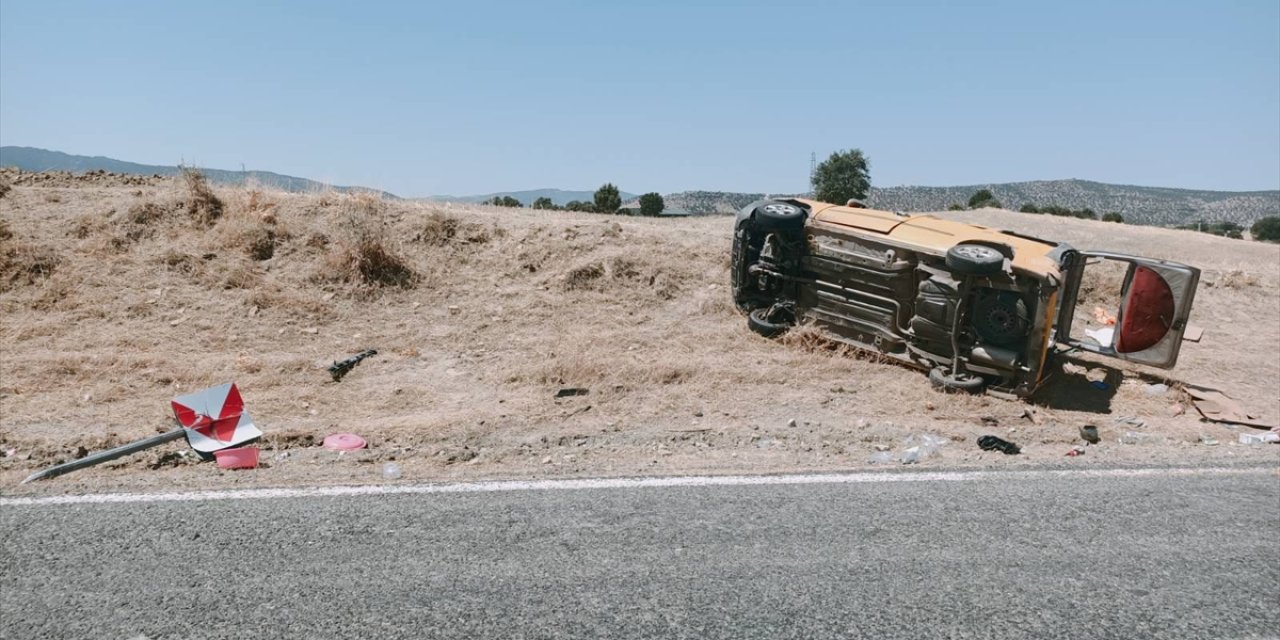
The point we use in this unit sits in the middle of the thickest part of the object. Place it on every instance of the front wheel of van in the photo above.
(963, 382)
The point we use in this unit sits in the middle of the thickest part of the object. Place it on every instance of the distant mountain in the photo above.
(32, 159)
(1138, 205)
(558, 196)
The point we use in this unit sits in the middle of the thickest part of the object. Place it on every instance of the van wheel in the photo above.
(962, 382)
(975, 260)
(770, 322)
(779, 215)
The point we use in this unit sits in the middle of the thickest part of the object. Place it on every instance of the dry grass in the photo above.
(480, 316)
(202, 204)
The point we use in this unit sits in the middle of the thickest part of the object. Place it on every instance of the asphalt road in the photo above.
(1027, 555)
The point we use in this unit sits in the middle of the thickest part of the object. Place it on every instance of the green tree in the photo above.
(955, 206)
(1029, 208)
(608, 199)
(842, 177)
(544, 203)
(651, 204)
(983, 198)
(1266, 229)
(1112, 217)
(578, 205)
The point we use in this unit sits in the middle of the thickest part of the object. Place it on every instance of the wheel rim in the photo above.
(781, 209)
(976, 252)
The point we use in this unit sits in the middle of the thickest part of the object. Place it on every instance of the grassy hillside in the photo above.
(558, 196)
(119, 293)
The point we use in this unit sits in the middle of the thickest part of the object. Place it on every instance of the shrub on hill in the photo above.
(1266, 229)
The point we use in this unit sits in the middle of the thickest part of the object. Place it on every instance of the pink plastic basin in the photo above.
(344, 442)
(240, 458)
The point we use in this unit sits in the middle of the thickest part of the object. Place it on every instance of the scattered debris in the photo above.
(1193, 333)
(1030, 414)
(343, 367)
(1076, 451)
(237, 458)
(1090, 434)
(996, 443)
(911, 456)
(344, 442)
(391, 471)
(882, 447)
(1100, 385)
(881, 457)
(791, 422)
(1137, 437)
(568, 392)
(1103, 336)
(1097, 374)
(110, 454)
(1158, 389)
(988, 421)
(1217, 406)
(195, 413)
(1209, 441)
(1259, 438)
(1101, 316)
(1132, 421)
(1176, 409)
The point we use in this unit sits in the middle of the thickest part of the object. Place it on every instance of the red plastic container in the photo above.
(239, 458)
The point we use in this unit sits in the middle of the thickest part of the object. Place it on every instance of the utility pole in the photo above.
(813, 167)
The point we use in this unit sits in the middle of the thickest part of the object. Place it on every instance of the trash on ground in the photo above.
(911, 456)
(344, 442)
(1259, 438)
(1176, 409)
(989, 421)
(341, 368)
(1137, 437)
(391, 471)
(568, 392)
(1156, 389)
(1076, 451)
(1030, 414)
(1100, 385)
(237, 458)
(1209, 441)
(1132, 421)
(1103, 336)
(1217, 406)
(212, 419)
(996, 443)
(881, 457)
(1096, 374)
(1101, 316)
(1090, 434)
(1193, 333)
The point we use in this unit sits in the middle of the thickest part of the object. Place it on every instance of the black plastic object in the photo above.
(996, 443)
(342, 368)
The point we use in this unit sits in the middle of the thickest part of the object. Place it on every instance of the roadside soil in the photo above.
(119, 293)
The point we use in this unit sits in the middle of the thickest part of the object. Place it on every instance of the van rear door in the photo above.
(1128, 307)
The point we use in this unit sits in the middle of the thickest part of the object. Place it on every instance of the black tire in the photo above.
(779, 215)
(760, 322)
(962, 383)
(975, 260)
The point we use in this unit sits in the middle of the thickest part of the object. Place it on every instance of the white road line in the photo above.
(620, 483)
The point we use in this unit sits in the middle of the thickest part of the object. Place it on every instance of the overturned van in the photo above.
(978, 308)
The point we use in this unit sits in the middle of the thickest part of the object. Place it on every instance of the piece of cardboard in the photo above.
(1193, 333)
(1217, 406)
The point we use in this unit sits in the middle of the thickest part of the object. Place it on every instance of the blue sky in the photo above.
(427, 98)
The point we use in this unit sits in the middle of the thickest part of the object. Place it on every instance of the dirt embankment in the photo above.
(118, 296)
